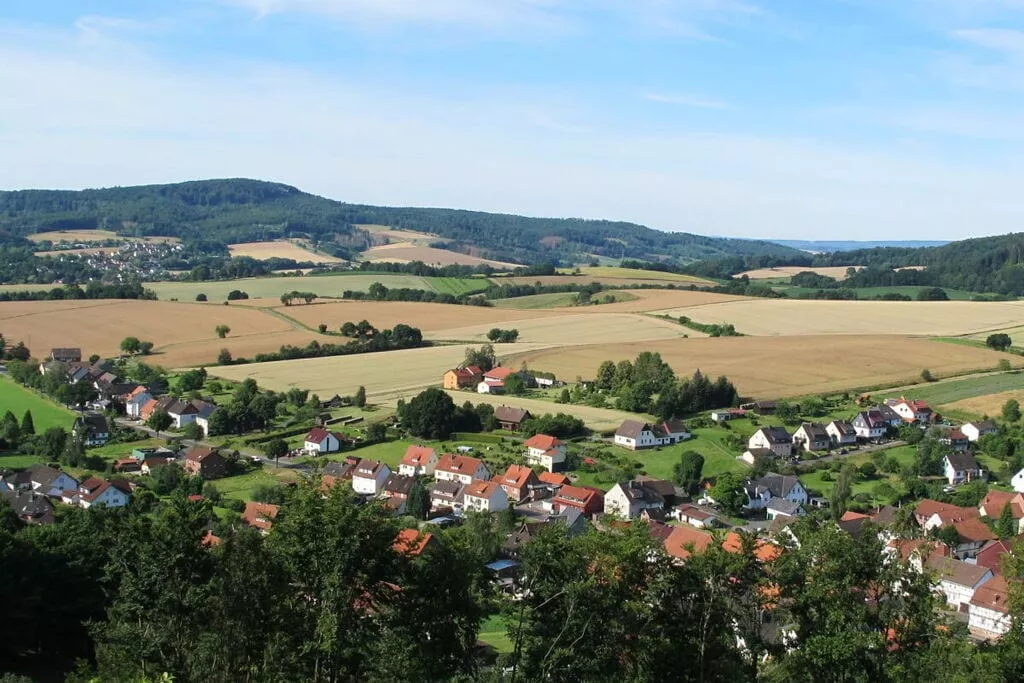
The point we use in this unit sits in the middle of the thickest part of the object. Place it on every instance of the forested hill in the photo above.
(241, 210)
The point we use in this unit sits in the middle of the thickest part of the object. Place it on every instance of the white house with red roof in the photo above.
(418, 461)
(96, 491)
(546, 451)
(911, 411)
(368, 477)
(461, 468)
(260, 516)
(518, 481)
(320, 440)
(988, 612)
(484, 496)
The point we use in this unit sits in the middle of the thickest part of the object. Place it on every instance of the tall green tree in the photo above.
(430, 414)
(159, 421)
(28, 425)
(688, 471)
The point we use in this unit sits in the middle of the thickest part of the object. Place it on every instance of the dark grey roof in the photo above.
(637, 492)
(783, 506)
(449, 490)
(843, 426)
(30, 506)
(631, 429)
(399, 484)
(985, 425)
(962, 462)
(94, 422)
(42, 475)
(777, 484)
(776, 434)
(814, 430)
(509, 414)
(338, 469)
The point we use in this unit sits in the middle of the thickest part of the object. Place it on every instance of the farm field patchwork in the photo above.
(571, 329)
(770, 317)
(404, 252)
(989, 404)
(770, 367)
(598, 419)
(387, 314)
(616, 273)
(972, 396)
(273, 287)
(279, 249)
(74, 236)
(397, 234)
(45, 413)
(785, 272)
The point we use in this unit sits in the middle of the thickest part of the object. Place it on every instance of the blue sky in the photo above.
(804, 119)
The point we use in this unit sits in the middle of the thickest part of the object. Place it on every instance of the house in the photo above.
(775, 439)
(92, 429)
(396, 490)
(973, 535)
(546, 451)
(694, 516)
(988, 612)
(484, 496)
(992, 553)
(490, 387)
(761, 491)
(462, 378)
(780, 506)
(498, 374)
(114, 493)
(368, 477)
(518, 482)
(1017, 482)
(333, 402)
(889, 415)
(260, 516)
(68, 355)
(958, 580)
(46, 480)
(910, 411)
(636, 435)
(186, 412)
(961, 468)
(930, 514)
(553, 480)
(955, 440)
(975, 430)
(510, 419)
(418, 461)
(841, 433)
(812, 436)
(413, 543)
(204, 410)
(137, 399)
(724, 415)
(752, 455)
(761, 407)
(30, 507)
(587, 500)
(683, 541)
(205, 462)
(320, 441)
(628, 500)
(446, 494)
(870, 425)
(127, 466)
(151, 464)
(337, 472)
(461, 468)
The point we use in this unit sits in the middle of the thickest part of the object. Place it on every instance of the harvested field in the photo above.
(183, 333)
(204, 352)
(616, 273)
(385, 314)
(598, 419)
(960, 389)
(568, 329)
(391, 374)
(88, 251)
(274, 287)
(647, 300)
(396, 235)
(73, 236)
(770, 317)
(783, 366)
(28, 288)
(990, 404)
(837, 272)
(404, 252)
(279, 249)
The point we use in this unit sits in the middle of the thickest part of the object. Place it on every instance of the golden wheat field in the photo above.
(404, 252)
(599, 419)
(86, 251)
(73, 236)
(990, 404)
(386, 314)
(656, 300)
(771, 317)
(569, 329)
(766, 367)
(279, 249)
(837, 272)
(183, 333)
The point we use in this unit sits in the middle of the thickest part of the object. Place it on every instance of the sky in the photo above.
(787, 119)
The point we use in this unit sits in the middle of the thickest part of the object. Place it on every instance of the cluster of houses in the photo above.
(33, 492)
(114, 393)
(471, 377)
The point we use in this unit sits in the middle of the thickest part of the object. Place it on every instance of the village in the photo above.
(545, 480)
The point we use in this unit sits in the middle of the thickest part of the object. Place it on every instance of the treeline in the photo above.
(327, 596)
(378, 292)
(94, 290)
(402, 336)
(712, 330)
(423, 270)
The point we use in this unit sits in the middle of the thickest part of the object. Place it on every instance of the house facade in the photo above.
(205, 462)
(260, 516)
(761, 491)
(961, 468)
(510, 419)
(418, 461)
(636, 435)
(319, 441)
(368, 477)
(92, 428)
(462, 378)
(870, 425)
(958, 580)
(630, 499)
(518, 482)
(546, 451)
(841, 433)
(775, 439)
(975, 430)
(587, 500)
(484, 496)
(446, 494)
(812, 436)
(911, 411)
(988, 612)
(461, 468)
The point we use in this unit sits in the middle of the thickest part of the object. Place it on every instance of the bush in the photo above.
(927, 376)
(200, 297)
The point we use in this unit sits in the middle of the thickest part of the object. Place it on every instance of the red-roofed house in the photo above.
(685, 540)
(991, 555)
(320, 440)
(260, 516)
(973, 535)
(205, 462)
(553, 479)
(988, 613)
(763, 550)
(95, 491)
(484, 496)
(460, 468)
(518, 481)
(418, 461)
(546, 451)
(412, 542)
(994, 501)
(463, 378)
(587, 500)
(912, 411)
(694, 516)
(931, 513)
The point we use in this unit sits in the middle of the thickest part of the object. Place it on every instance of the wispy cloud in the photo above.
(694, 101)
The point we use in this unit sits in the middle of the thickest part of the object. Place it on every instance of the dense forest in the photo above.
(136, 594)
(239, 210)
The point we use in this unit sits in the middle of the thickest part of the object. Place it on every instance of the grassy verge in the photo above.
(494, 632)
(45, 413)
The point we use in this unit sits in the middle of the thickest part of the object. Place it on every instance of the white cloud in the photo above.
(694, 101)
(1001, 40)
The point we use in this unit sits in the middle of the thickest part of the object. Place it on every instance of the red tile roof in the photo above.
(685, 539)
(199, 453)
(991, 555)
(516, 476)
(974, 530)
(411, 542)
(543, 442)
(763, 551)
(994, 502)
(498, 373)
(925, 548)
(850, 516)
(994, 594)
(260, 515)
(482, 489)
(554, 478)
(418, 456)
(317, 435)
(458, 464)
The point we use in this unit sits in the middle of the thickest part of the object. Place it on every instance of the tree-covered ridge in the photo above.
(239, 210)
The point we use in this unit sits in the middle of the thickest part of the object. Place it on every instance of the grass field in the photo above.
(457, 286)
(770, 317)
(494, 632)
(242, 486)
(279, 249)
(273, 287)
(397, 235)
(557, 300)
(974, 395)
(19, 462)
(631, 274)
(872, 292)
(598, 419)
(771, 367)
(45, 413)
(404, 252)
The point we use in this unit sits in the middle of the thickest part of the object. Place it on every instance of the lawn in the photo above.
(494, 632)
(940, 393)
(872, 292)
(529, 303)
(45, 413)
(242, 486)
(19, 462)
(323, 285)
(457, 286)
(117, 451)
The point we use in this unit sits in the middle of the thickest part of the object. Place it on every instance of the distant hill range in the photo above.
(239, 210)
(825, 247)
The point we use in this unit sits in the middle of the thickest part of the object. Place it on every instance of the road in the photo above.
(861, 451)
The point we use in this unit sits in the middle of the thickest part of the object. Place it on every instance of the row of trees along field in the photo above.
(326, 596)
